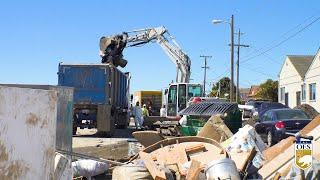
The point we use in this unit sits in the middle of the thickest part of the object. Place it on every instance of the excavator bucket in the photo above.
(111, 49)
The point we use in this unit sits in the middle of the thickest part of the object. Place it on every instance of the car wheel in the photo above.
(269, 139)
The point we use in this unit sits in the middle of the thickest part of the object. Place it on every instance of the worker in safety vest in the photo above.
(145, 111)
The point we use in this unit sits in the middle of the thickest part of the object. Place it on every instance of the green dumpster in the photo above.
(198, 114)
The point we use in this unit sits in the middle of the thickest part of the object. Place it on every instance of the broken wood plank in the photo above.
(241, 159)
(194, 170)
(278, 148)
(195, 148)
(172, 155)
(154, 170)
(280, 161)
(310, 126)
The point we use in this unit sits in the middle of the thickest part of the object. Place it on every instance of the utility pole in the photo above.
(238, 61)
(205, 67)
(232, 58)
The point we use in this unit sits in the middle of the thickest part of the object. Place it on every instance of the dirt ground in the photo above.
(119, 147)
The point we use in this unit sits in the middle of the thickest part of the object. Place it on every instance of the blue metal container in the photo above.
(100, 95)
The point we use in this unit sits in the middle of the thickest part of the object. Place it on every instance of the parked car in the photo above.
(277, 124)
(249, 108)
(258, 112)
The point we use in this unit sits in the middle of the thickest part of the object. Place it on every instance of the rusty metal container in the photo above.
(27, 133)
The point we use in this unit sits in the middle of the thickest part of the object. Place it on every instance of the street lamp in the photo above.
(218, 21)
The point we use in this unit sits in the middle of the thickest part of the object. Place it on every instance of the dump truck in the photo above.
(151, 99)
(101, 96)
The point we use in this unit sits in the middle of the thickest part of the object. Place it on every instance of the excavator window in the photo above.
(172, 100)
(182, 99)
(194, 91)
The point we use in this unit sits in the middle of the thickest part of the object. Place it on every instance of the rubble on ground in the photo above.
(309, 110)
(245, 150)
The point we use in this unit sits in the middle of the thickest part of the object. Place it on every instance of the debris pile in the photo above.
(241, 156)
(309, 110)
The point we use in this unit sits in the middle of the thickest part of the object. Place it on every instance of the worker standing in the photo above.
(163, 111)
(145, 111)
(137, 114)
(150, 111)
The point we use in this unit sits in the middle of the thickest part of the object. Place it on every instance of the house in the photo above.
(299, 81)
(291, 79)
(311, 84)
(254, 89)
(244, 94)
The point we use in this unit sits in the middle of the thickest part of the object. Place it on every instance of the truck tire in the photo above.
(122, 126)
(74, 130)
(104, 134)
(122, 121)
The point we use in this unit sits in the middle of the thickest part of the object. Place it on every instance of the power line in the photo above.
(283, 41)
(283, 35)
(262, 73)
(267, 56)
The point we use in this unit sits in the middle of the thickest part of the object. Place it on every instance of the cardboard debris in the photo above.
(278, 148)
(174, 153)
(215, 129)
(242, 159)
(147, 138)
(194, 170)
(155, 171)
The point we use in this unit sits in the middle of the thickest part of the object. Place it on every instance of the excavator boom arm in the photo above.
(111, 48)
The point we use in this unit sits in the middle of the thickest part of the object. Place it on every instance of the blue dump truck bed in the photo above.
(100, 94)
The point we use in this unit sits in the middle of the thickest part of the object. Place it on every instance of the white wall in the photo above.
(291, 80)
(313, 76)
(27, 133)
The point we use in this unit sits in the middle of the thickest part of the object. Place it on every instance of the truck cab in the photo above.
(178, 95)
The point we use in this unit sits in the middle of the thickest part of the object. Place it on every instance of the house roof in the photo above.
(301, 63)
(314, 59)
(254, 90)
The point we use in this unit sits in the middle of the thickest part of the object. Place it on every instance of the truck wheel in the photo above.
(74, 130)
(122, 126)
(105, 134)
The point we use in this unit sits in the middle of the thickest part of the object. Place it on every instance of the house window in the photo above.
(282, 92)
(312, 91)
(303, 92)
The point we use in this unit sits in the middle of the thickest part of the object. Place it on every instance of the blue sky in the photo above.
(36, 35)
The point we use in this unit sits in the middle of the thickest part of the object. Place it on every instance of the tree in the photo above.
(224, 88)
(268, 90)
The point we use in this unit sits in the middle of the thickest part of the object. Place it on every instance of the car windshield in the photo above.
(291, 114)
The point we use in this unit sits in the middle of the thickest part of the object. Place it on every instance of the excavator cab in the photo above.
(178, 95)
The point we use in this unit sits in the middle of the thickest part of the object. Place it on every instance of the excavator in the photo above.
(178, 93)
